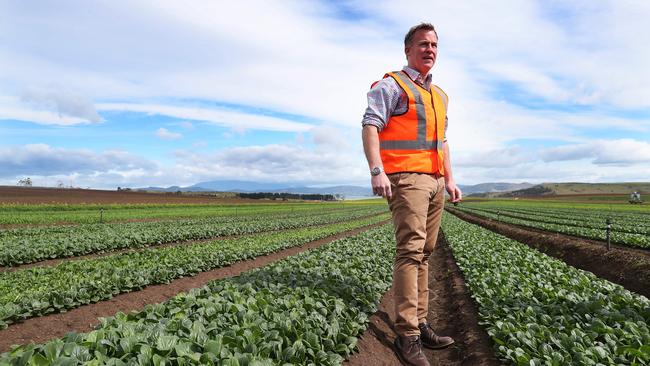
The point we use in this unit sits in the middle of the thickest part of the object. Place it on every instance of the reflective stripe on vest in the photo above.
(421, 143)
(408, 132)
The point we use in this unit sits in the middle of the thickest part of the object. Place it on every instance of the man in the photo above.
(408, 156)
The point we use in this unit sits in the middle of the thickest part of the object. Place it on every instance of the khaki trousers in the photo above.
(416, 205)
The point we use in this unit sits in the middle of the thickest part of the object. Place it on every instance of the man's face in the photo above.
(422, 53)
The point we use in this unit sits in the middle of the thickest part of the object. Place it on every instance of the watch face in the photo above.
(375, 171)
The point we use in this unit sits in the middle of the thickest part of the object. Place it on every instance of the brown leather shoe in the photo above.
(409, 351)
(431, 340)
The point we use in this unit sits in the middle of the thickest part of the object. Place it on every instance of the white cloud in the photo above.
(499, 158)
(45, 160)
(330, 137)
(591, 54)
(619, 152)
(12, 109)
(165, 134)
(63, 102)
(221, 116)
(278, 163)
(530, 79)
(217, 56)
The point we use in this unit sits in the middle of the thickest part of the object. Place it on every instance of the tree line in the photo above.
(286, 196)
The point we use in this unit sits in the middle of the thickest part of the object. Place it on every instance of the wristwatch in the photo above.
(376, 171)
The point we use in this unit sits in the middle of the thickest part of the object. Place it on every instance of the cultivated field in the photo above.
(630, 224)
(226, 282)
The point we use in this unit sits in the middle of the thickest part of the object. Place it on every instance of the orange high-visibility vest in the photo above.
(413, 141)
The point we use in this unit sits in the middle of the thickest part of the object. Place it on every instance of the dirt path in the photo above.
(451, 312)
(628, 267)
(83, 319)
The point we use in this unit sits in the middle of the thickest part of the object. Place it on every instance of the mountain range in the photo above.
(348, 191)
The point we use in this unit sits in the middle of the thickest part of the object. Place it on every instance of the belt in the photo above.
(436, 175)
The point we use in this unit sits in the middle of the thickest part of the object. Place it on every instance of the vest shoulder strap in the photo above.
(390, 73)
(442, 94)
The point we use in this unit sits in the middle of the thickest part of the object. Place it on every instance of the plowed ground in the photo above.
(40, 195)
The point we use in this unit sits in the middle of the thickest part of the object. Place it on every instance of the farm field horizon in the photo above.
(167, 260)
(257, 183)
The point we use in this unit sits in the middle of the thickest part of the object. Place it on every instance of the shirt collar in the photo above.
(417, 77)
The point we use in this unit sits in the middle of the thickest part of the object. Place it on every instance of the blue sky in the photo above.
(140, 93)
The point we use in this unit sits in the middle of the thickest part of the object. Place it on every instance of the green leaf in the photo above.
(214, 346)
(159, 360)
(39, 360)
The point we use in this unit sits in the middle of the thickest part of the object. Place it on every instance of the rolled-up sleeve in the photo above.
(382, 100)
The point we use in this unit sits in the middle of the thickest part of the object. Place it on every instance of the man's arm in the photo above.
(454, 192)
(380, 183)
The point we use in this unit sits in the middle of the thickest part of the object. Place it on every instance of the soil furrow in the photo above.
(628, 267)
(85, 318)
(451, 312)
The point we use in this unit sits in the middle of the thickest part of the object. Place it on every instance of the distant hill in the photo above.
(240, 186)
(563, 189)
(345, 190)
(484, 189)
(250, 187)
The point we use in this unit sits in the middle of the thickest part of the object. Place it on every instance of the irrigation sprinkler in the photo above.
(608, 230)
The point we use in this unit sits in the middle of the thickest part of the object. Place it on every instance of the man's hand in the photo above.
(455, 195)
(381, 185)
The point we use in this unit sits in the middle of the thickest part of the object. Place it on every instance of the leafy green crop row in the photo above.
(540, 311)
(43, 290)
(628, 223)
(18, 246)
(90, 213)
(619, 237)
(308, 309)
(549, 204)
